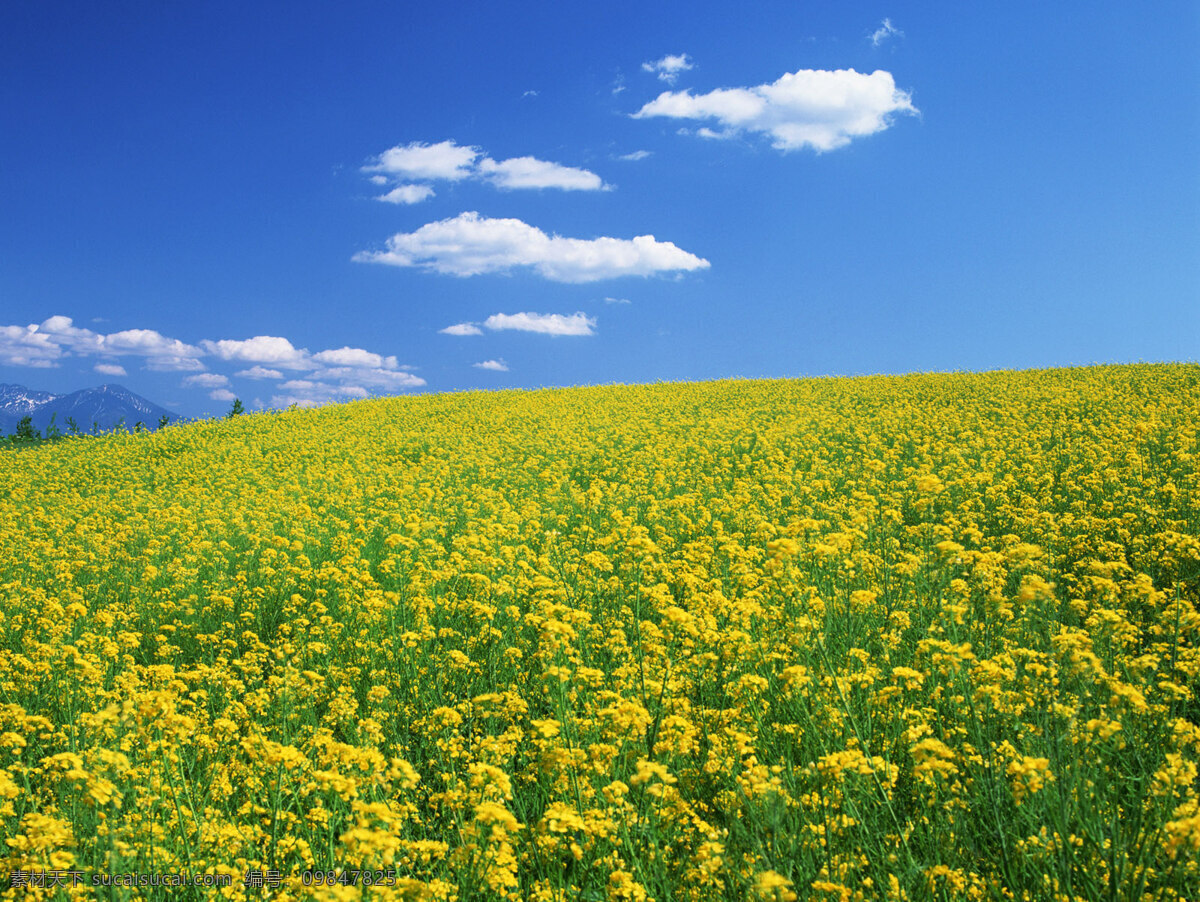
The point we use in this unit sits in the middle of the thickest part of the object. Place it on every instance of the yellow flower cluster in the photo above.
(932, 636)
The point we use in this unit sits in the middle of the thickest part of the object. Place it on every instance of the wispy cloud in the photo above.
(544, 323)
(470, 244)
(617, 301)
(669, 67)
(461, 329)
(206, 380)
(314, 393)
(259, 372)
(885, 30)
(416, 164)
(498, 366)
(407, 194)
(815, 108)
(109, 369)
(636, 155)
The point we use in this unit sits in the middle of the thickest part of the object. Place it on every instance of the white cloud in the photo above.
(461, 329)
(174, 364)
(545, 323)
(310, 393)
(418, 160)
(25, 346)
(206, 380)
(636, 155)
(407, 194)
(617, 301)
(530, 94)
(259, 372)
(355, 357)
(43, 345)
(530, 172)
(260, 349)
(669, 67)
(70, 337)
(376, 378)
(163, 353)
(814, 108)
(335, 373)
(470, 244)
(885, 31)
(498, 366)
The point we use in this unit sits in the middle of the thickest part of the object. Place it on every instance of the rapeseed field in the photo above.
(923, 637)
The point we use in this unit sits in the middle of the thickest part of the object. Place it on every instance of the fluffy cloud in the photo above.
(461, 329)
(407, 194)
(333, 374)
(545, 323)
(814, 108)
(26, 346)
(270, 349)
(42, 345)
(470, 244)
(669, 67)
(206, 380)
(885, 31)
(420, 162)
(530, 172)
(498, 366)
(355, 357)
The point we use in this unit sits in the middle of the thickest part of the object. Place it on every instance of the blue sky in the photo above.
(308, 202)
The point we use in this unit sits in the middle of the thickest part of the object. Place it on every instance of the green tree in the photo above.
(25, 431)
(236, 410)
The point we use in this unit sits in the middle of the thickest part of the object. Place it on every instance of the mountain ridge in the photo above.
(99, 409)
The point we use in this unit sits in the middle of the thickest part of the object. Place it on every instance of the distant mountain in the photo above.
(101, 408)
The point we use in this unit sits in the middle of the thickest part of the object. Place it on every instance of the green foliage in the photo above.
(25, 431)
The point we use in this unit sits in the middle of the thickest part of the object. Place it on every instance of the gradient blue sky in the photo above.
(195, 186)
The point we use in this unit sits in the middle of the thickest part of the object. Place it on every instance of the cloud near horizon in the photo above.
(470, 245)
(417, 163)
(815, 108)
(336, 373)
